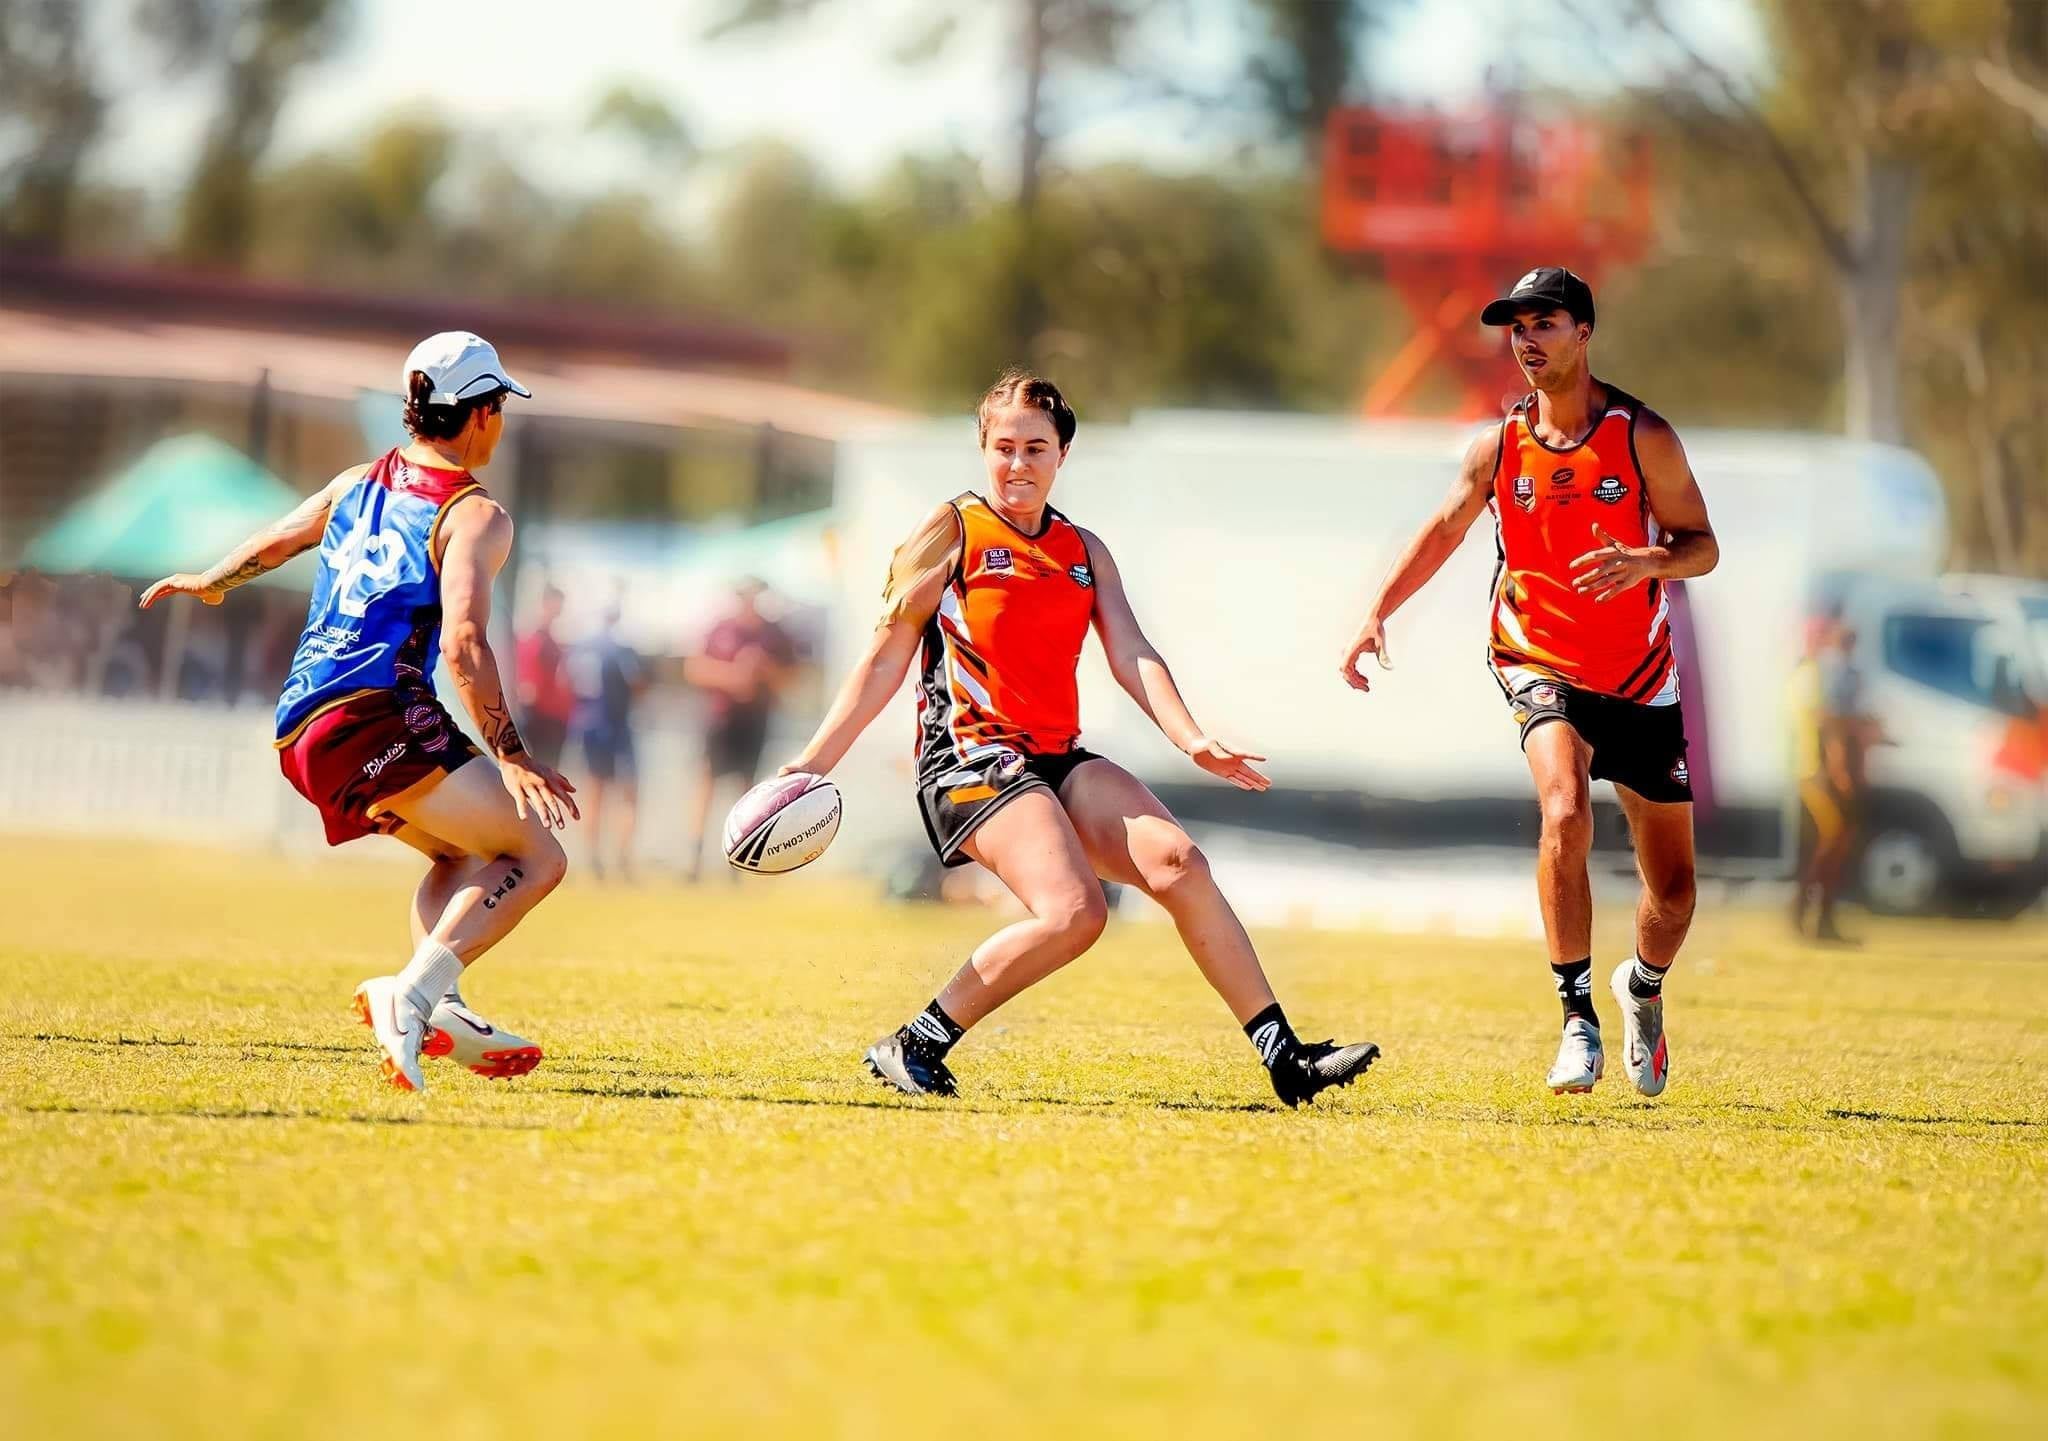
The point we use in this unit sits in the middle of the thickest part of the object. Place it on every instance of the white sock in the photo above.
(430, 974)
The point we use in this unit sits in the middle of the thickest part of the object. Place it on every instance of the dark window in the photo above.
(1958, 656)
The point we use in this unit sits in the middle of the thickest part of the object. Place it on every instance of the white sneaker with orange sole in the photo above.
(469, 1040)
(464, 1037)
(401, 1031)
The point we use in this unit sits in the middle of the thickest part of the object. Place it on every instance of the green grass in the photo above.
(701, 1216)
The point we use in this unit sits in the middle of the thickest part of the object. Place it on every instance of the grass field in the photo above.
(700, 1215)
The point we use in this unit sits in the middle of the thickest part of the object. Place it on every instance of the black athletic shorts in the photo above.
(1638, 746)
(732, 747)
(958, 799)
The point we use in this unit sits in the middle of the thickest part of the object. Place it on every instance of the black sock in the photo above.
(1271, 1034)
(1575, 989)
(934, 1030)
(1645, 980)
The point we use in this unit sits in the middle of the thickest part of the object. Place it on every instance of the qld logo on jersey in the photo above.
(1610, 490)
(1525, 491)
(998, 560)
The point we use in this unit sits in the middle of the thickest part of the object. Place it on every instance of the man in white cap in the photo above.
(409, 545)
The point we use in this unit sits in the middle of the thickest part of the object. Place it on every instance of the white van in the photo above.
(2019, 602)
(1955, 813)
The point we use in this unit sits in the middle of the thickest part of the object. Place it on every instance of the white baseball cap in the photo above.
(462, 366)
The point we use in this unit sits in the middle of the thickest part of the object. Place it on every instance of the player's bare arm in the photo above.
(1687, 547)
(917, 574)
(266, 550)
(1425, 555)
(479, 537)
(1143, 673)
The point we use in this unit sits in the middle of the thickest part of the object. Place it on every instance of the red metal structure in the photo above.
(1453, 208)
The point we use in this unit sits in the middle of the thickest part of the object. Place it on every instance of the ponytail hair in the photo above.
(441, 422)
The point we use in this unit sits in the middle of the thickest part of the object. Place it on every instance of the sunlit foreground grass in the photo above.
(701, 1214)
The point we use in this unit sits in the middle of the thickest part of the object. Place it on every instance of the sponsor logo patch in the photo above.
(1610, 490)
(1545, 694)
(1563, 475)
(1525, 491)
(998, 557)
(375, 768)
(1679, 773)
(1081, 576)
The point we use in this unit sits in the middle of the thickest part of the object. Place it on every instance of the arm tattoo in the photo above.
(227, 577)
(500, 734)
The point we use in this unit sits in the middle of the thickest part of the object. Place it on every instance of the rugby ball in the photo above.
(782, 824)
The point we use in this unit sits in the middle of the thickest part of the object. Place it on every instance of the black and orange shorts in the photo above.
(956, 796)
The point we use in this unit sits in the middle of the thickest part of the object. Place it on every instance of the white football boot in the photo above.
(383, 1005)
(1644, 1054)
(1580, 1061)
(469, 1040)
(464, 1037)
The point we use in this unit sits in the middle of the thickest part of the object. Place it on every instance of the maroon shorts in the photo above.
(367, 749)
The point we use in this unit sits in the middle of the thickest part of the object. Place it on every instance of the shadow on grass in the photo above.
(1892, 1118)
(1005, 1105)
(254, 1044)
(258, 1113)
(1644, 1116)
(106, 1040)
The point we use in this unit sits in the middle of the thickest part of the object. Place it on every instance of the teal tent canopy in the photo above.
(185, 503)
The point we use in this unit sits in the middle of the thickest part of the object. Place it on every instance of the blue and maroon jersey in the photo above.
(375, 620)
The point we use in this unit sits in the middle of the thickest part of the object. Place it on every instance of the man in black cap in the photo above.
(1595, 512)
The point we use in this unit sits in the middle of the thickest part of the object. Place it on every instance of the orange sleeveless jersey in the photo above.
(1545, 504)
(1000, 653)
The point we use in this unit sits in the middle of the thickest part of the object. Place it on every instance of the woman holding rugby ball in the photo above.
(995, 592)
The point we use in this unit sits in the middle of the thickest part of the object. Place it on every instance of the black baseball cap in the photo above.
(1547, 287)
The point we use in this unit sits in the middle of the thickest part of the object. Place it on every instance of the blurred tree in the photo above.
(1889, 154)
(254, 46)
(1310, 60)
(1067, 35)
(1977, 317)
(51, 100)
(1833, 124)
(357, 215)
(646, 118)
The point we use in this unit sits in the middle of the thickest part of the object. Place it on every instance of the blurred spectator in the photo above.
(607, 676)
(547, 702)
(45, 632)
(743, 667)
(115, 662)
(1832, 736)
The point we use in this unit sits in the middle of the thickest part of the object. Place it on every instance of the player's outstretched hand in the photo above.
(1607, 572)
(182, 583)
(543, 790)
(1228, 763)
(1370, 640)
